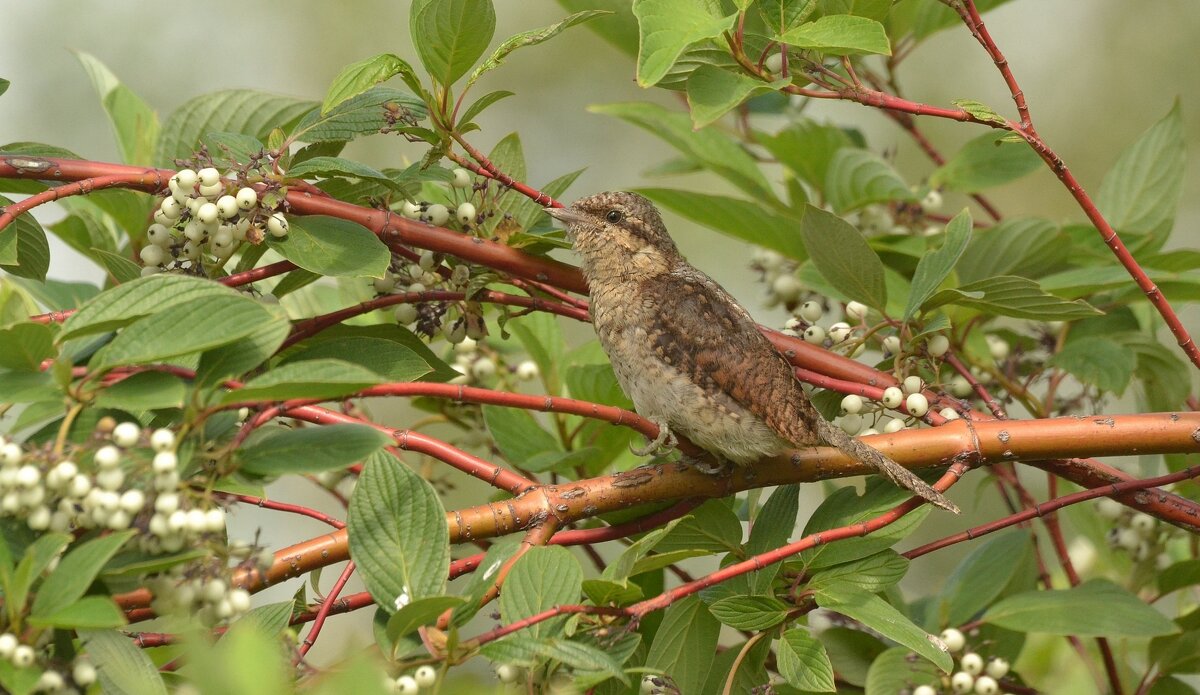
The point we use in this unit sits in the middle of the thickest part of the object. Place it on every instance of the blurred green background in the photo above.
(1096, 74)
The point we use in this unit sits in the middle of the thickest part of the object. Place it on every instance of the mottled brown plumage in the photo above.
(687, 354)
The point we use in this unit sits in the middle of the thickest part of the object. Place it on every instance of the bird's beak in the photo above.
(565, 215)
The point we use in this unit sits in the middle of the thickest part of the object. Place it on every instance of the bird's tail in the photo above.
(901, 476)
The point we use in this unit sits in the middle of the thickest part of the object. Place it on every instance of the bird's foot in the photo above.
(665, 441)
(720, 466)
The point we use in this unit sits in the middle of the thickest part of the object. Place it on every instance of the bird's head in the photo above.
(619, 231)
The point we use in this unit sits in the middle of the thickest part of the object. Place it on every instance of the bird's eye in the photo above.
(614, 216)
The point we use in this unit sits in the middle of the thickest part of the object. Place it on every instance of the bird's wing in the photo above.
(706, 334)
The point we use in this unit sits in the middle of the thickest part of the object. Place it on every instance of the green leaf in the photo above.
(840, 34)
(807, 148)
(581, 657)
(388, 358)
(542, 578)
(204, 323)
(845, 508)
(710, 148)
(34, 561)
(360, 115)
(331, 167)
(121, 268)
(482, 103)
(873, 573)
(356, 78)
(740, 219)
(1165, 379)
(713, 91)
(423, 611)
(749, 612)
(1029, 246)
(542, 338)
(712, 527)
(857, 178)
(232, 149)
(244, 354)
(232, 111)
(895, 671)
(27, 387)
(843, 257)
(1141, 192)
(450, 35)
(322, 378)
(1177, 653)
(1010, 295)
(1098, 361)
(935, 266)
(24, 346)
(4, 85)
(127, 669)
(803, 662)
(879, 615)
(143, 391)
(311, 449)
(782, 15)
(75, 573)
(333, 246)
(24, 250)
(124, 304)
(981, 111)
(1095, 608)
(517, 434)
(771, 528)
(1179, 575)
(922, 18)
(981, 576)
(89, 612)
(269, 619)
(685, 643)
(501, 550)
(529, 38)
(987, 161)
(619, 28)
(133, 121)
(398, 533)
(667, 27)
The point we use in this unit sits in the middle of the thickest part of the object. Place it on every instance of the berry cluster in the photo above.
(438, 214)
(204, 214)
(410, 684)
(81, 672)
(1137, 533)
(974, 673)
(477, 363)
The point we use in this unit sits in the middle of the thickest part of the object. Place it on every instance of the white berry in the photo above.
(1143, 523)
(962, 682)
(277, 225)
(787, 288)
(425, 676)
(949, 413)
(407, 685)
(856, 311)
(208, 176)
(158, 235)
(8, 643)
(132, 501)
(465, 214)
(162, 440)
(126, 434)
(954, 639)
(997, 668)
(437, 214)
(986, 685)
(839, 332)
(917, 404)
(998, 347)
(107, 456)
(924, 690)
(811, 311)
(507, 673)
(185, 179)
(152, 255)
(892, 397)
(23, 656)
(932, 200)
(852, 404)
(814, 335)
(28, 476)
(773, 63)
(83, 673)
(527, 370)
(239, 600)
(959, 386)
(938, 345)
(227, 207)
(410, 210)
(462, 178)
(891, 344)
(214, 520)
(894, 425)
(406, 314)
(972, 663)
(246, 198)
(207, 213)
(165, 462)
(1109, 508)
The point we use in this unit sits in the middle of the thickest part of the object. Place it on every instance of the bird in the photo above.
(689, 356)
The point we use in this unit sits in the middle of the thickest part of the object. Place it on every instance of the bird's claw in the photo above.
(665, 441)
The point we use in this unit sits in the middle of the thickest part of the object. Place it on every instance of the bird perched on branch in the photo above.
(688, 355)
